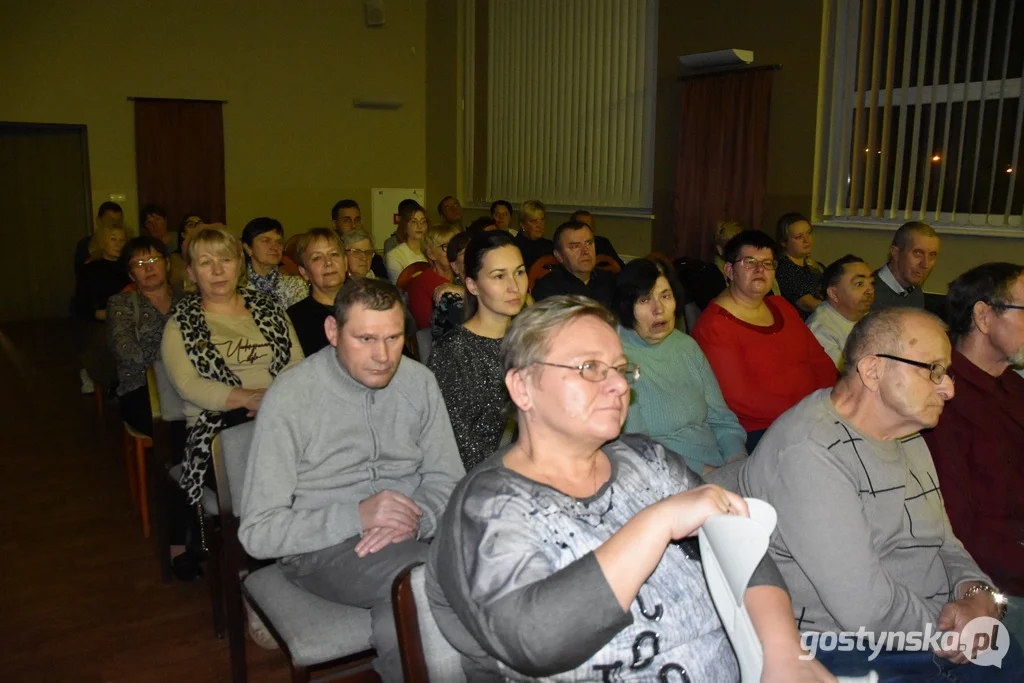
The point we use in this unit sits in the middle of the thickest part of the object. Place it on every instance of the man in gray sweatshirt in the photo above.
(863, 540)
(352, 463)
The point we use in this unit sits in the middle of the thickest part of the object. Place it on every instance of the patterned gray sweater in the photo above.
(514, 584)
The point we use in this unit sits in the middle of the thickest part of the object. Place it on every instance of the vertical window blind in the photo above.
(570, 102)
(922, 112)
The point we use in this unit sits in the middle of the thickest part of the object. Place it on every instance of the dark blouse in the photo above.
(307, 318)
(468, 371)
(798, 281)
(98, 281)
(135, 329)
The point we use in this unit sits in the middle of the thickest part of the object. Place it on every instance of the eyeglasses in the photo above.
(443, 247)
(997, 304)
(365, 253)
(750, 263)
(936, 371)
(145, 262)
(597, 371)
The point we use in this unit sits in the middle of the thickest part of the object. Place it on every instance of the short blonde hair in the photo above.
(99, 238)
(437, 235)
(528, 340)
(726, 230)
(311, 237)
(531, 209)
(218, 240)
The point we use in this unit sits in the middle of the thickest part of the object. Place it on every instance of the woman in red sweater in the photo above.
(426, 288)
(763, 355)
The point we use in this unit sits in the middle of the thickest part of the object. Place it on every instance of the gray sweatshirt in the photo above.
(324, 442)
(862, 538)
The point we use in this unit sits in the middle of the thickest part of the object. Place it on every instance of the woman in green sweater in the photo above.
(677, 400)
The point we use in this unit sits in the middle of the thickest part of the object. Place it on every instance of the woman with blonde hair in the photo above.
(99, 278)
(412, 225)
(424, 289)
(530, 239)
(222, 348)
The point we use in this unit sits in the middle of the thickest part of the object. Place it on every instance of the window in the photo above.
(560, 100)
(922, 113)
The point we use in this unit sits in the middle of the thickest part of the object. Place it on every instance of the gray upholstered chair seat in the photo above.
(314, 630)
(444, 663)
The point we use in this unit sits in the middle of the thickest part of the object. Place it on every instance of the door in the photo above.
(179, 158)
(45, 200)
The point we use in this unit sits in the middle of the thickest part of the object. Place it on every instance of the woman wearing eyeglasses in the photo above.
(465, 362)
(765, 358)
(558, 557)
(135, 325)
(677, 402)
(422, 288)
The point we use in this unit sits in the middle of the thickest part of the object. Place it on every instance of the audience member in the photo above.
(862, 539)
(482, 224)
(153, 222)
(109, 215)
(555, 558)
(222, 347)
(978, 443)
(578, 274)
(449, 301)
(98, 279)
(346, 217)
(177, 268)
(450, 211)
(530, 238)
(352, 463)
(677, 401)
(501, 212)
(412, 224)
(423, 290)
(798, 275)
(465, 361)
(359, 253)
(323, 265)
(262, 240)
(848, 286)
(602, 244)
(913, 254)
(405, 206)
(135, 325)
(763, 355)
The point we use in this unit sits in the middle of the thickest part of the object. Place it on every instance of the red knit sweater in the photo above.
(763, 371)
(421, 296)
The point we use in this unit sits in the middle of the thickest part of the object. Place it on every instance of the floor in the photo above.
(80, 592)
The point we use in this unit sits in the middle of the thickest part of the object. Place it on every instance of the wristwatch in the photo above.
(998, 598)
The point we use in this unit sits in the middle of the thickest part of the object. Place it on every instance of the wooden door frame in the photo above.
(84, 138)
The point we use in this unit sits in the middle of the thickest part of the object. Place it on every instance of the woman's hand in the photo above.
(685, 512)
(253, 399)
(448, 288)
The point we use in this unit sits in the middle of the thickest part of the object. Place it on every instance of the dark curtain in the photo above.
(723, 155)
(179, 158)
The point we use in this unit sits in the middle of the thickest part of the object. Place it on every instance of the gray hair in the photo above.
(358, 235)
(880, 332)
(528, 339)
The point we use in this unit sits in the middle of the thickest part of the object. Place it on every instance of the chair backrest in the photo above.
(230, 453)
(606, 262)
(410, 271)
(171, 406)
(541, 267)
(731, 547)
(426, 654)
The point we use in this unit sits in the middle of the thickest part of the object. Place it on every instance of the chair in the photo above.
(135, 446)
(412, 270)
(541, 267)
(290, 259)
(312, 632)
(731, 547)
(426, 654)
(164, 472)
(605, 262)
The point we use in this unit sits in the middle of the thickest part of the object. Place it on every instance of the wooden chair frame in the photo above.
(410, 644)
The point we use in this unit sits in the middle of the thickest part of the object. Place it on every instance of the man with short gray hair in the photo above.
(352, 463)
(912, 255)
(863, 540)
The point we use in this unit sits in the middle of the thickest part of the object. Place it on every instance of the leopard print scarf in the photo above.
(210, 364)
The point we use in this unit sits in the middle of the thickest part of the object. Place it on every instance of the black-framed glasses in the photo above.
(997, 304)
(750, 263)
(597, 371)
(936, 371)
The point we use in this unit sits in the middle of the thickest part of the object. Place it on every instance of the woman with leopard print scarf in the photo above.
(222, 348)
